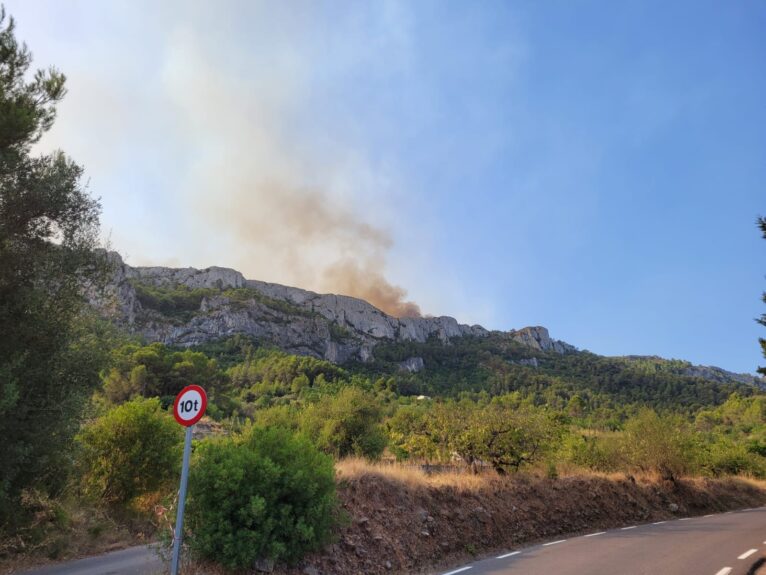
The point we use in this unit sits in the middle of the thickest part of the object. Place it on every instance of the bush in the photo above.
(346, 424)
(727, 457)
(597, 452)
(267, 495)
(177, 301)
(131, 450)
(659, 443)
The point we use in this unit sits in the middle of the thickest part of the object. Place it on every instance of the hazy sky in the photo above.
(594, 167)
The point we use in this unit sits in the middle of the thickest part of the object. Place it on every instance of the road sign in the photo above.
(188, 409)
(190, 405)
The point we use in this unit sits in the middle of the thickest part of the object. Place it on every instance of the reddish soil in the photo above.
(397, 526)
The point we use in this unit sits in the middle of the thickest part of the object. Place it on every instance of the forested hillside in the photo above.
(94, 351)
(479, 402)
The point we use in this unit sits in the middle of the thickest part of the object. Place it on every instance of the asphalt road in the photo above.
(725, 544)
(142, 560)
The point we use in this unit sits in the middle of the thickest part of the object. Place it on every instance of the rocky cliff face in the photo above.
(537, 337)
(220, 302)
(334, 327)
(713, 373)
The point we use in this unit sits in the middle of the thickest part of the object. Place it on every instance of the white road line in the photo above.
(710, 515)
(684, 518)
(631, 527)
(458, 570)
(511, 554)
(724, 571)
(659, 522)
(747, 554)
(554, 542)
(594, 534)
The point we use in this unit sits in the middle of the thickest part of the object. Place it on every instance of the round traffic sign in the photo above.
(190, 405)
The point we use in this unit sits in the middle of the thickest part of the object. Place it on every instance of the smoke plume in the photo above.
(365, 282)
(282, 199)
(312, 241)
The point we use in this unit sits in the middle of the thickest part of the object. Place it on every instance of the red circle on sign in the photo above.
(178, 401)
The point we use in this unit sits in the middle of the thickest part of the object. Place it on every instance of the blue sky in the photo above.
(594, 167)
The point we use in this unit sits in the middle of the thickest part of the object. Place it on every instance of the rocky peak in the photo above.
(537, 337)
(334, 327)
(212, 277)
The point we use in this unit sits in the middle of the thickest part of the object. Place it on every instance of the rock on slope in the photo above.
(334, 327)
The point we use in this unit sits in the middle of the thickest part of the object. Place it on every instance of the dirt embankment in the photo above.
(404, 522)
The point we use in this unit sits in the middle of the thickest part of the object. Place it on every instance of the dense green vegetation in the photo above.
(178, 302)
(157, 371)
(131, 450)
(182, 303)
(493, 365)
(50, 351)
(604, 414)
(263, 495)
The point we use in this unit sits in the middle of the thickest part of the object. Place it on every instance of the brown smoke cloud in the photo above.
(283, 206)
(251, 172)
(348, 276)
(314, 241)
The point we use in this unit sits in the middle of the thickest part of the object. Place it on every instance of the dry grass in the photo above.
(413, 476)
(755, 482)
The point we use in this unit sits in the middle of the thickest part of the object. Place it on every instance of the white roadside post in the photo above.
(188, 409)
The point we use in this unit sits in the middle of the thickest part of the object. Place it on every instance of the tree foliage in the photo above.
(131, 450)
(498, 435)
(493, 364)
(48, 232)
(266, 495)
(348, 423)
(157, 370)
(659, 443)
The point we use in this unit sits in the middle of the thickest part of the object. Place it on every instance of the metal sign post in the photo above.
(181, 503)
(188, 409)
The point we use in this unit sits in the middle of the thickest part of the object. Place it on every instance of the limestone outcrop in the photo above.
(537, 337)
(219, 302)
(334, 327)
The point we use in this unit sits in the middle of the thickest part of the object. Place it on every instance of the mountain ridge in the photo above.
(189, 307)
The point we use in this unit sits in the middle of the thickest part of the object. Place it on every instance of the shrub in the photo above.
(346, 424)
(178, 301)
(266, 495)
(599, 452)
(131, 450)
(727, 457)
(659, 443)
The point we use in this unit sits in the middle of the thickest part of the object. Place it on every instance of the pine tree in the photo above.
(48, 236)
